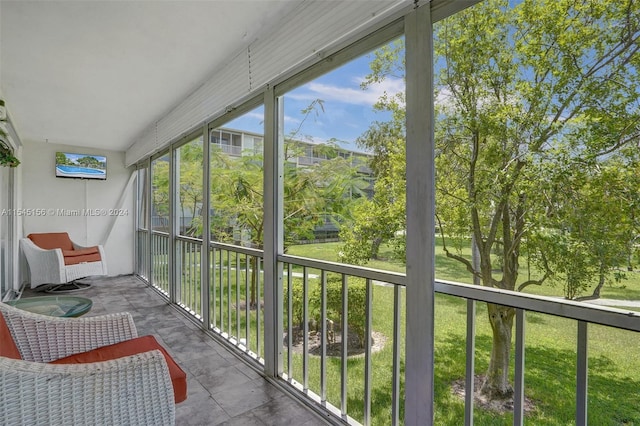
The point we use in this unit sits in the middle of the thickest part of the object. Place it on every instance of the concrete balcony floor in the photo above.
(222, 389)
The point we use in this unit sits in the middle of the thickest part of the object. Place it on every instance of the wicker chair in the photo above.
(56, 260)
(130, 390)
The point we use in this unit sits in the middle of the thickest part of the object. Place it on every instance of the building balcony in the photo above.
(233, 150)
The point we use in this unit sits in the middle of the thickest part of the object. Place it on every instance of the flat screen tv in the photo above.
(81, 166)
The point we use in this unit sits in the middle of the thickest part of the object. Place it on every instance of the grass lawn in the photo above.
(614, 364)
(614, 374)
(451, 270)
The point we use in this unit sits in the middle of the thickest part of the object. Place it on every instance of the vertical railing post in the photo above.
(214, 278)
(323, 337)
(305, 329)
(367, 355)
(259, 334)
(582, 371)
(344, 339)
(420, 173)
(470, 384)
(470, 367)
(289, 322)
(273, 232)
(228, 298)
(247, 304)
(238, 275)
(395, 387)
(221, 273)
(518, 391)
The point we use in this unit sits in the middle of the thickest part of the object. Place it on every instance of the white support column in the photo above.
(149, 200)
(174, 188)
(419, 370)
(206, 227)
(273, 233)
(136, 222)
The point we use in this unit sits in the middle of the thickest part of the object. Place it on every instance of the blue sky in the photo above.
(348, 110)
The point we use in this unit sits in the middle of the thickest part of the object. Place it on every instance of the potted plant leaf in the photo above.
(7, 159)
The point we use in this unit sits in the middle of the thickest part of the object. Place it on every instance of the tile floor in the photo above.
(222, 389)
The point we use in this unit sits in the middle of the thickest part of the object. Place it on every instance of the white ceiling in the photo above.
(96, 73)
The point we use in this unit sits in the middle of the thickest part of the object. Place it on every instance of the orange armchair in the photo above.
(54, 259)
(83, 371)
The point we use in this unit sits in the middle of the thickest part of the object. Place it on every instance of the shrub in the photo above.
(357, 303)
(297, 302)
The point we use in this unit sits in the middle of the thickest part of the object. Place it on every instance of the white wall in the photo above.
(45, 193)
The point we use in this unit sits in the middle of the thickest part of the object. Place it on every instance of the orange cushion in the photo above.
(8, 346)
(81, 252)
(132, 347)
(52, 240)
(81, 259)
(89, 254)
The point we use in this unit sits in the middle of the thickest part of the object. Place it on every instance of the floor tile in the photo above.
(222, 388)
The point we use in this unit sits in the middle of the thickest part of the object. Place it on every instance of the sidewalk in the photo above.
(615, 303)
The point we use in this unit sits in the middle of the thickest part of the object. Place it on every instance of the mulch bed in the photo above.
(334, 345)
(482, 401)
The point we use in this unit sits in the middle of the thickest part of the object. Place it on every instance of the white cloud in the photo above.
(444, 97)
(350, 95)
(255, 114)
(259, 115)
(291, 120)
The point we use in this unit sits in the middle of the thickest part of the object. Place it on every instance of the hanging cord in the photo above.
(118, 207)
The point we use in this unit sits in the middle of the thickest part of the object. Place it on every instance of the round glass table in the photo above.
(55, 306)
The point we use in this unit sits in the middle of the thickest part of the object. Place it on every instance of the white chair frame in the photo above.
(47, 266)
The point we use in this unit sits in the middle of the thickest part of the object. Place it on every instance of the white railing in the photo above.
(322, 309)
(308, 161)
(142, 253)
(188, 255)
(583, 313)
(230, 149)
(159, 273)
(351, 287)
(235, 297)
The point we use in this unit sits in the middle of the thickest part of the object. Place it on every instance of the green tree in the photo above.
(585, 229)
(61, 159)
(190, 190)
(160, 194)
(517, 87)
(311, 193)
(91, 162)
(382, 217)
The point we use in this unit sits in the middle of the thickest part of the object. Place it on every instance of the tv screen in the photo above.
(81, 166)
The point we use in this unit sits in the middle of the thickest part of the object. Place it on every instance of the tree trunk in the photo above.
(375, 248)
(596, 291)
(496, 384)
